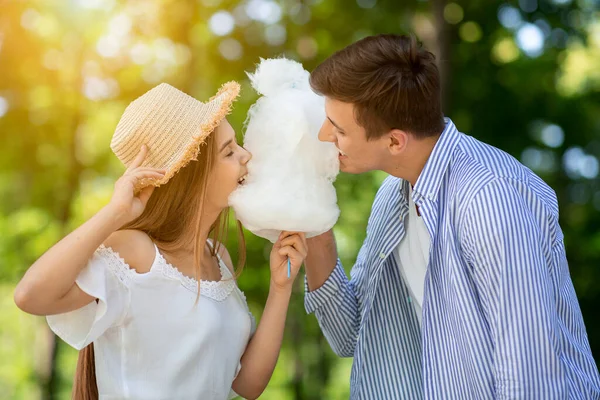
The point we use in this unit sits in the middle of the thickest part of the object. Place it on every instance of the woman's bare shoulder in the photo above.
(135, 247)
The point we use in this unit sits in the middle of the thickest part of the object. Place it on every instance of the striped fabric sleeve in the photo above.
(336, 308)
(504, 247)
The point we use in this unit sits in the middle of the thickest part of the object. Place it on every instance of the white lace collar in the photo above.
(216, 290)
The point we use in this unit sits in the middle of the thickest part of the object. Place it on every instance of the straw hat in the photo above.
(171, 124)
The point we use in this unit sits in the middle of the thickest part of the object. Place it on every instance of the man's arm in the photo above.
(503, 243)
(330, 295)
(321, 259)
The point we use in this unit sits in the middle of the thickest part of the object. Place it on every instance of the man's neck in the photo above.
(410, 165)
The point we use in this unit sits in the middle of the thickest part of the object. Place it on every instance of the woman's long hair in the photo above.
(173, 213)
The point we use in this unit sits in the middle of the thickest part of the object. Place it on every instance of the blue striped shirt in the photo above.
(501, 318)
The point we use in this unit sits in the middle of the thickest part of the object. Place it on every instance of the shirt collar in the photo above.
(429, 181)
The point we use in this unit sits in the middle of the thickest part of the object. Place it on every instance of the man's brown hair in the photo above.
(392, 81)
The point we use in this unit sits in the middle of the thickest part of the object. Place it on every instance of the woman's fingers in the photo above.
(303, 236)
(145, 194)
(290, 241)
(293, 247)
(142, 179)
(144, 170)
(296, 240)
(294, 255)
(139, 159)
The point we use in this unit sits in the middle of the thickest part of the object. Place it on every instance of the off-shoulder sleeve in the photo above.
(107, 278)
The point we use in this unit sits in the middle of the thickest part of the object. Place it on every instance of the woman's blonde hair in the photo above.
(173, 213)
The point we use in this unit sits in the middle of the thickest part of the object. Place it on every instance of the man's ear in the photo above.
(398, 139)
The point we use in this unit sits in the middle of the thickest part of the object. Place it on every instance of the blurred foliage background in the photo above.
(522, 75)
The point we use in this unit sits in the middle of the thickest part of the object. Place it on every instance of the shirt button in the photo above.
(381, 255)
(409, 299)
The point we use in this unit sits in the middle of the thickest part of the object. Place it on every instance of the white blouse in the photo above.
(150, 340)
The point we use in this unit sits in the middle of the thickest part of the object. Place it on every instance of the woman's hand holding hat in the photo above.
(133, 189)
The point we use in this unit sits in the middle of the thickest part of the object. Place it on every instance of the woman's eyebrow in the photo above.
(227, 143)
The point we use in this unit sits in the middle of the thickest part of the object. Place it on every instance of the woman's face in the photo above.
(229, 169)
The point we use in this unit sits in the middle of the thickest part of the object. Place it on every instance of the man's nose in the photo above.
(326, 134)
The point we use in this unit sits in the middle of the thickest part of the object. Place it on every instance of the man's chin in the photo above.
(348, 169)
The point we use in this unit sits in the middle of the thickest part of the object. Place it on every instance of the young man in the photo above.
(461, 289)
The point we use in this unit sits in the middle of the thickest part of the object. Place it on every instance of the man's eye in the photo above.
(229, 154)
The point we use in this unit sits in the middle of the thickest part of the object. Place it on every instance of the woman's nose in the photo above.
(247, 157)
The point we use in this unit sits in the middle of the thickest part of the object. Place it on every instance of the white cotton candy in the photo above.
(290, 182)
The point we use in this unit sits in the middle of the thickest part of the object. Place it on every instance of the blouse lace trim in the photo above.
(216, 290)
(116, 264)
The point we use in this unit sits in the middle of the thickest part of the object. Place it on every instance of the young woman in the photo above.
(145, 288)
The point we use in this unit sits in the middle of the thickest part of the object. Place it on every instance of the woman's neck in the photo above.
(182, 254)
(185, 244)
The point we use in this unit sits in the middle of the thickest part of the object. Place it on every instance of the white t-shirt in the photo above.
(412, 255)
(150, 340)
